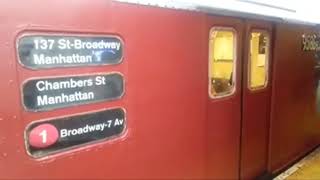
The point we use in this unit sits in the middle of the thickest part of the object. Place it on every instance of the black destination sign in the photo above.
(51, 51)
(52, 136)
(52, 93)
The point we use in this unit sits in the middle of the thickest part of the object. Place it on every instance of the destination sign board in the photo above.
(56, 135)
(45, 94)
(53, 51)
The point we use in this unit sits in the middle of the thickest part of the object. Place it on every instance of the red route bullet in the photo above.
(43, 136)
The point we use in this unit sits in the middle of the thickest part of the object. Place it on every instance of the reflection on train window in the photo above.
(221, 62)
(258, 60)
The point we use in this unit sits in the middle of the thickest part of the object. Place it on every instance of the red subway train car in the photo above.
(116, 90)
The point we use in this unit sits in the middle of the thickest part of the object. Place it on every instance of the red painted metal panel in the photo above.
(164, 65)
(255, 115)
(294, 127)
(224, 115)
(174, 130)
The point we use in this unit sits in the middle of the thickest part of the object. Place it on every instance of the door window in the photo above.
(258, 59)
(222, 53)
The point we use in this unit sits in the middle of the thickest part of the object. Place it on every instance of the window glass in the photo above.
(221, 62)
(258, 59)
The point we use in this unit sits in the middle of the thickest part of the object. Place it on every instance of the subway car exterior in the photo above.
(115, 90)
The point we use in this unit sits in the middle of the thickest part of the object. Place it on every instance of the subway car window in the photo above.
(221, 62)
(258, 60)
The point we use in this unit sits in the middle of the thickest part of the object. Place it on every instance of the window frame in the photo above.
(234, 68)
(268, 46)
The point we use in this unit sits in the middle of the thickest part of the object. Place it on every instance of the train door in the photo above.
(256, 97)
(239, 97)
(224, 96)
